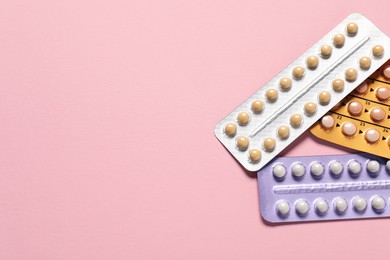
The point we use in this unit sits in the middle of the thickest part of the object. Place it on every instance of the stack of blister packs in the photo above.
(340, 90)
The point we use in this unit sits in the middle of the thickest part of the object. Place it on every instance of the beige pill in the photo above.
(352, 29)
(257, 106)
(230, 129)
(310, 108)
(338, 40)
(312, 62)
(242, 143)
(326, 51)
(296, 120)
(285, 83)
(365, 63)
(243, 118)
(377, 51)
(324, 97)
(338, 85)
(271, 94)
(283, 131)
(269, 144)
(298, 72)
(254, 155)
(350, 74)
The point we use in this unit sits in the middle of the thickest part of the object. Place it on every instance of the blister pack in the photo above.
(361, 121)
(318, 188)
(267, 122)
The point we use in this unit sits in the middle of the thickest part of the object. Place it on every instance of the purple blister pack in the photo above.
(319, 188)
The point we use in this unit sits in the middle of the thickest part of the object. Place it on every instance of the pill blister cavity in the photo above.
(271, 94)
(378, 204)
(352, 29)
(350, 74)
(254, 155)
(327, 122)
(321, 206)
(324, 97)
(388, 165)
(312, 62)
(285, 84)
(339, 40)
(336, 168)
(359, 204)
(340, 205)
(378, 51)
(298, 170)
(296, 120)
(242, 143)
(386, 72)
(316, 170)
(355, 108)
(283, 132)
(243, 118)
(282, 208)
(269, 144)
(338, 85)
(377, 114)
(257, 106)
(310, 108)
(279, 171)
(230, 129)
(371, 136)
(302, 207)
(326, 51)
(382, 93)
(365, 63)
(373, 167)
(354, 168)
(298, 72)
(362, 88)
(348, 129)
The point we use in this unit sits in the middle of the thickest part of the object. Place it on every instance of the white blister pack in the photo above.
(277, 114)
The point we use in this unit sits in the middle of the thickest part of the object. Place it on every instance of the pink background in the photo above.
(107, 110)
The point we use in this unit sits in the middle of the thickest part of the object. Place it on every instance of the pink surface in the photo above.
(107, 110)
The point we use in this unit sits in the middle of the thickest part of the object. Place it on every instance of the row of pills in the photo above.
(382, 93)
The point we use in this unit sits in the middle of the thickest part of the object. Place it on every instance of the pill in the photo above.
(348, 129)
(321, 206)
(279, 171)
(254, 155)
(282, 208)
(377, 114)
(269, 144)
(336, 168)
(362, 88)
(271, 94)
(310, 108)
(326, 51)
(327, 121)
(324, 97)
(298, 72)
(386, 72)
(378, 203)
(312, 62)
(242, 143)
(257, 106)
(388, 165)
(373, 166)
(283, 131)
(296, 120)
(338, 85)
(316, 169)
(285, 84)
(298, 170)
(359, 204)
(352, 29)
(350, 74)
(354, 167)
(355, 108)
(340, 205)
(377, 51)
(230, 129)
(302, 207)
(338, 40)
(371, 135)
(365, 63)
(243, 118)
(382, 93)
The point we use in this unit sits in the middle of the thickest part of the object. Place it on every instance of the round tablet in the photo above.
(382, 93)
(388, 165)
(348, 129)
(298, 72)
(283, 131)
(327, 122)
(285, 83)
(338, 40)
(336, 168)
(269, 144)
(355, 108)
(324, 97)
(377, 51)
(350, 74)
(359, 203)
(321, 206)
(242, 143)
(354, 167)
(312, 62)
(338, 85)
(377, 114)
(340, 205)
(326, 51)
(386, 72)
(296, 120)
(257, 106)
(365, 63)
(282, 208)
(271, 94)
(316, 169)
(243, 118)
(230, 129)
(362, 88)
(378, 203)
(371, 136)
(254, 155)
(298, 170)
(279, 171)
(310, 108)
(352, 29)
(302, 207)
(373, 166)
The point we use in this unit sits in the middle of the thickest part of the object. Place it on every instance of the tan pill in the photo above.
(283, 131)
(350, 74)
(324, 97)
(285, 83)
(377, 51)
(310, 108)
(365, 63)
(257, 106)
(352, 29)
(269, 144)
(242, 143)
(298, 72)
(339, 40)
(326, 51)
(243, 118)
(312, 62)
(296, 120)
(271, 94)
(338, 85)
(254, 155)
(230, 129)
